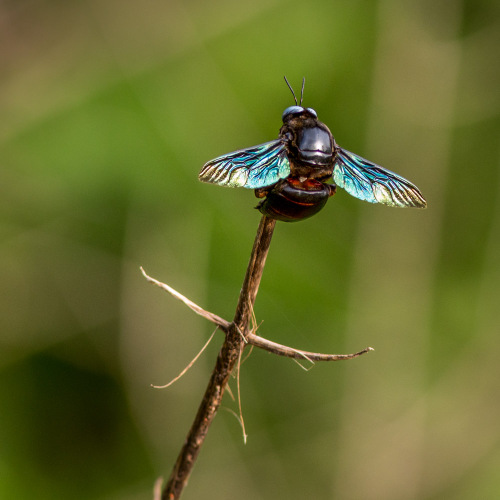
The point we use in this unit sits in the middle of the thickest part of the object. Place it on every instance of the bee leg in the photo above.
(332, 188)
(262, 192)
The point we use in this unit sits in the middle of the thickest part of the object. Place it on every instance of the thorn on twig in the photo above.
(241, 335)
(306, 369)
(230, 392)
(247, 355)
(239, 397)
(157, 488)
(238, 418)
(191, 363)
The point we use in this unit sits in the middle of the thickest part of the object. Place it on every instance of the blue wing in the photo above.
(255, 167)
(370, 182)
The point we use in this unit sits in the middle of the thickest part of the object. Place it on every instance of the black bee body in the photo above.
(311, 150)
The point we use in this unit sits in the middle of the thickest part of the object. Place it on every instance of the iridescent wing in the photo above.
(370, 182)
(255, 167)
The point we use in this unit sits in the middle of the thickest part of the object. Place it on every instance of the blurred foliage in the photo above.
(109, 110)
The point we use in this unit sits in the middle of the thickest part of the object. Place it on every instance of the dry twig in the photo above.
(238, 334)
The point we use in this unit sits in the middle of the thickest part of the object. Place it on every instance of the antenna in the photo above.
(293, 93)
(302, 91)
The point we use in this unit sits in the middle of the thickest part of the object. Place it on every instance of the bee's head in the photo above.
(296, 111)
(308, 141)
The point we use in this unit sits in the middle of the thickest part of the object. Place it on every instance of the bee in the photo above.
(292, 173)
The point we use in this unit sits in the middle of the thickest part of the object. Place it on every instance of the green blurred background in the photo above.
(108, 111)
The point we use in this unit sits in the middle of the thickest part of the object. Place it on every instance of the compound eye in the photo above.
(312, 112)
(292, 110)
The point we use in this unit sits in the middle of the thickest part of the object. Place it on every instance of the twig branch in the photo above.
(251, 338)
(194, 307)
(290, 352)
(238, 335)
